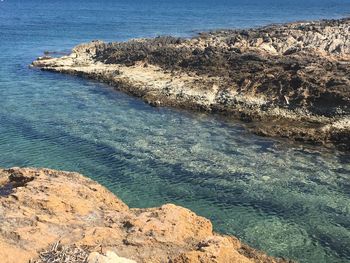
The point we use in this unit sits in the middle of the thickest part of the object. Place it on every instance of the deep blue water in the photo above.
(289, 200)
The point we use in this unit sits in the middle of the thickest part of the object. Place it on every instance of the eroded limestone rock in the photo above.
(53, 214)
(110, 257)
(290, 80)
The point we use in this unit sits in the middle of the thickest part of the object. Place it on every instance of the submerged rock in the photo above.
(55, 216)
(290, 80)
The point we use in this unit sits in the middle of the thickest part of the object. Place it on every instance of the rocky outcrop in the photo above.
(289, 80)
(53, 216)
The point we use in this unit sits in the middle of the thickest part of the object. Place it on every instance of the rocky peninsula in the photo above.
(290, 80)
(55, 216)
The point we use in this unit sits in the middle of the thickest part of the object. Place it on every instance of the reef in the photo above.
(290, 80)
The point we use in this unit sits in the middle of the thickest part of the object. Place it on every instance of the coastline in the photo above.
(49, 214)
(289, 80)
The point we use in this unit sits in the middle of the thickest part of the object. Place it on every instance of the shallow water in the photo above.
(289, 200)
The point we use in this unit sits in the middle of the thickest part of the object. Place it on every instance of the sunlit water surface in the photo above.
(289, 200)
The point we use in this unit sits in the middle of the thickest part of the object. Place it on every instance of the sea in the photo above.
(289, 200)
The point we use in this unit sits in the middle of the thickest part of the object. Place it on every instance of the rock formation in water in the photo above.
(290, 80)
(53, 216)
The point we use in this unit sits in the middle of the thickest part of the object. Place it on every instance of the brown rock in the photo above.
(62, 213)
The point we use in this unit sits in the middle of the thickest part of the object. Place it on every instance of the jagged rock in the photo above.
(49, 215)
(289, 80)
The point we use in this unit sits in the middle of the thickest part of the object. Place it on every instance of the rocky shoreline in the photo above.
(290, 80)
(55, 216)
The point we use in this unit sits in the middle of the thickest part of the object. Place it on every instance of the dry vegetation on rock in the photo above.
(290, 80)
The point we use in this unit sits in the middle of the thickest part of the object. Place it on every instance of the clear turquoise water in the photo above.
(289, 200)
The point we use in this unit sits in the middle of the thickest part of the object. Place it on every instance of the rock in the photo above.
(336, 46)
(110, 257)
(49, 215)
(214, 249)
(310, 87)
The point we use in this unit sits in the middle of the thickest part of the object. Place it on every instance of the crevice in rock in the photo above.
(14, 182)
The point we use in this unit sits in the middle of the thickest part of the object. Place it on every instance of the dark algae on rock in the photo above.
(290, 80)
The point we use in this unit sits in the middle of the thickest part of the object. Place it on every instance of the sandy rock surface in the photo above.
(110, 257)
(47, 214)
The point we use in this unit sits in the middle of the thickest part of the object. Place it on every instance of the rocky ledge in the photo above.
(54, 216)
(290, 80)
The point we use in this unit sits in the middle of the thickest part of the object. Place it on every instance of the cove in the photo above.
(288, 200)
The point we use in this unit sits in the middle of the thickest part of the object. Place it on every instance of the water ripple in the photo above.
(289, 200)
